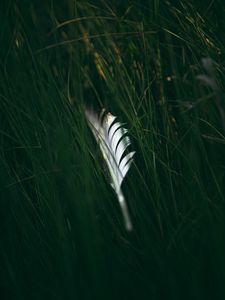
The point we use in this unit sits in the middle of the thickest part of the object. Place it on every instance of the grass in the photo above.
(159, 67)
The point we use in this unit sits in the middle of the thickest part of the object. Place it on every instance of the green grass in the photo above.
(61, 230)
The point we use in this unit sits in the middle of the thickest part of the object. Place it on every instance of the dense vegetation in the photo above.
(159, 67)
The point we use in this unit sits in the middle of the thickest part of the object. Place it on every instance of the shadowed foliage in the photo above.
(159, 67)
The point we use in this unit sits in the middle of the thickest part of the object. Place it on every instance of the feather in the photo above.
(113, 141)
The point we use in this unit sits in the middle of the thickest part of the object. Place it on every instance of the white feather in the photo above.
(113, 142)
